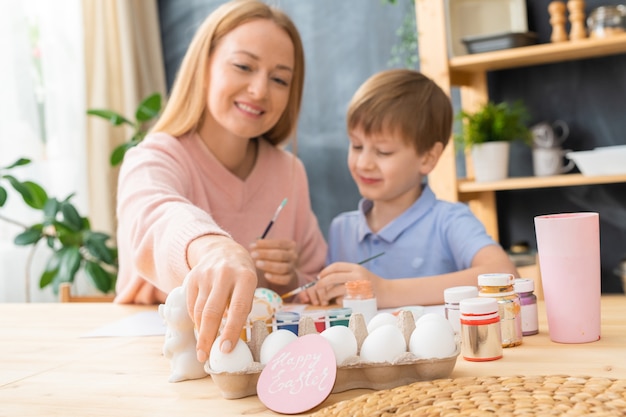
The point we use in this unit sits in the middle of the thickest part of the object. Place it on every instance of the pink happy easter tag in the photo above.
(299, 377)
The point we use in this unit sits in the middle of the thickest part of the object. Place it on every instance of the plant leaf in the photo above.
(149, 108)
(67, 235)
(29, 236)
(19, 162)
(117, 156)
(99, 250)
(3, 196)
(71, 216)
(95, 242)
(114, 118)
(68, 198)
(50, 272)
(69, 262)
(32, 193)
(98, 236)
(100, 278)
(47, 277)
(50, 210)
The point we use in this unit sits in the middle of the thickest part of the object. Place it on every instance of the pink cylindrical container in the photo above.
(568, 246)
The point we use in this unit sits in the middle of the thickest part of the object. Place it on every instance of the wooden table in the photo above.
(47, 369)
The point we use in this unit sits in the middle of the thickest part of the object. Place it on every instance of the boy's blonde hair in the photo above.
(187, 103)
(402, 102)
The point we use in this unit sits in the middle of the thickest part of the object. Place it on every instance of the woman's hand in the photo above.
(222, 280)
(277, 258)
(332, 279)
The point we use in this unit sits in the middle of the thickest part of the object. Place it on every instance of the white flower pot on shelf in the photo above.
(491, 161)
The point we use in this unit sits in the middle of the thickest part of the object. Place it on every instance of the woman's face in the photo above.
(250, 74)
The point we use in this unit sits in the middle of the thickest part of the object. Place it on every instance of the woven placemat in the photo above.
(553, 395)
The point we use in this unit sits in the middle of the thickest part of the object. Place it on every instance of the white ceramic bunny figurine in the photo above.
(180, 341)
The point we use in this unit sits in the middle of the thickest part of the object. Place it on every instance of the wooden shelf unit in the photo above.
(469, 72)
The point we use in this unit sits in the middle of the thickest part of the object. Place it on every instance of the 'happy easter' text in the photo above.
(294, 373)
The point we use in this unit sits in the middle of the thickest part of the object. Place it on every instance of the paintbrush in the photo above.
(312, 283)
(370, 258)
(299, 289)
(271, 223)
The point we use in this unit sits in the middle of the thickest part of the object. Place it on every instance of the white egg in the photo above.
(434, 318)
(235, 361)
(343, 342)
(381, 319)
(433, 339)
(384, 344)
(274, 342)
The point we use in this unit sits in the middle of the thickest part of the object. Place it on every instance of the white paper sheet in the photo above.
(147, 323)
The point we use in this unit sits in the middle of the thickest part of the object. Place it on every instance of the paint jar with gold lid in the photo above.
(500, 286)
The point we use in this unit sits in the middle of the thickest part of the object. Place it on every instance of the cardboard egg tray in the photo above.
(352, 373)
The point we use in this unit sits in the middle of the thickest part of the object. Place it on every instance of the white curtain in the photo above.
(42, 117)
(124, 64)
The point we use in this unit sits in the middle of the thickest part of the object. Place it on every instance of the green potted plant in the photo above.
(488, 133)
(74, 245)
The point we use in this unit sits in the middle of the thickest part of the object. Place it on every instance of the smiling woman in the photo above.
(195, 195)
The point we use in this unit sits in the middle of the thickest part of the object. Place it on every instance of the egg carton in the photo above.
(353, 373)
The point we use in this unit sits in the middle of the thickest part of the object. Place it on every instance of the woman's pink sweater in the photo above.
(173, 190)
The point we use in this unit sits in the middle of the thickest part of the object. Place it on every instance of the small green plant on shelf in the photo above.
(493, 122)
(148, 109)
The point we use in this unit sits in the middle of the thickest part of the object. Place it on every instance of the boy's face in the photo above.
(386, 169)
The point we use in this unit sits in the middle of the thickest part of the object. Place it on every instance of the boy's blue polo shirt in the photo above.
(431, 237)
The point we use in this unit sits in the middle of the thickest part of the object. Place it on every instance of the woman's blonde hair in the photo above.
(186, 106)
(402, 102)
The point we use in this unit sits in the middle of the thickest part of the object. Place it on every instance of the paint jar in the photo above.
(360, 298)
(500, 287)
(481, 337)
(525, 288)
(287, 320)
(452, 297)
(339, 316)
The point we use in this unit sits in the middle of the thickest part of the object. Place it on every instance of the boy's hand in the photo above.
(277, 258)
(332, 279)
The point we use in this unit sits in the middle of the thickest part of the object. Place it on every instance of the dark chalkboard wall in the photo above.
(346, 41)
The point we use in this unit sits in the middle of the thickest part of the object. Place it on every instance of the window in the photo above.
(42, 117)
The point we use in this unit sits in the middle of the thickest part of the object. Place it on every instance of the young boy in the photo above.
(399, 122)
